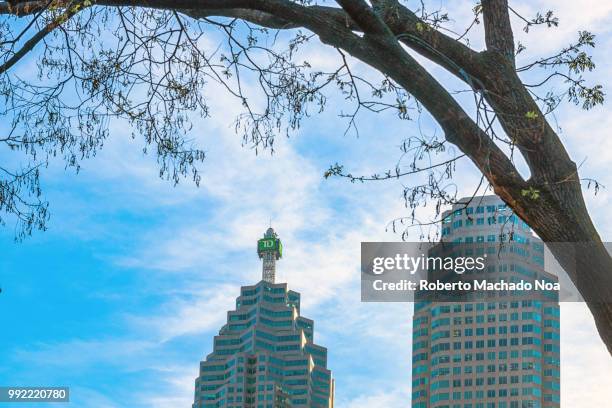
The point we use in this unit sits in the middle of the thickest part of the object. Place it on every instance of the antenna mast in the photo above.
(269, 249)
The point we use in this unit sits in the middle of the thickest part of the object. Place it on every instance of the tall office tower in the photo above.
(265, 355)
(493, 351)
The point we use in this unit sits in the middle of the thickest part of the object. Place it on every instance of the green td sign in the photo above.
(269, 245)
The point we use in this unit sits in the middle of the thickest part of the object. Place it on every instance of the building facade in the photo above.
(265, 355)
(493, 351)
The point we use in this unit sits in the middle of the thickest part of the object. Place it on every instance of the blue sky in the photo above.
(121, 297)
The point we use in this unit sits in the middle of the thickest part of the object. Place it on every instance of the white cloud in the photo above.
(201, 312)
(178, 388)
(388, 398)
(585, 362)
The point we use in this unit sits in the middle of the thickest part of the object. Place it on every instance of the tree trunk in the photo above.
(551, 201)
(560, 218)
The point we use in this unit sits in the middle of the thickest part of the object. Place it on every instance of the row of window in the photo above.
(500, 393)
(501, 404)
(481, 319)
(491, 343)
(480, 331)
(492, 220)
(468, 307)
(490, 368)
(480, 381)
(502, 355)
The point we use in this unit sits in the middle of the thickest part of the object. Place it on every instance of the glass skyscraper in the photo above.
(493, 351)
(265, 355)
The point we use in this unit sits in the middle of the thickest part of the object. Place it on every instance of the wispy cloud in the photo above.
(202, 312)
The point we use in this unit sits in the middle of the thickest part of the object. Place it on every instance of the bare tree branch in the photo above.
(29, 45)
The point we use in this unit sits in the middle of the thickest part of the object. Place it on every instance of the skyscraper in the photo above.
(491, 352)
(265, 355)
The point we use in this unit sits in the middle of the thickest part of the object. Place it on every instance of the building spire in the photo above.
(269, 249)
